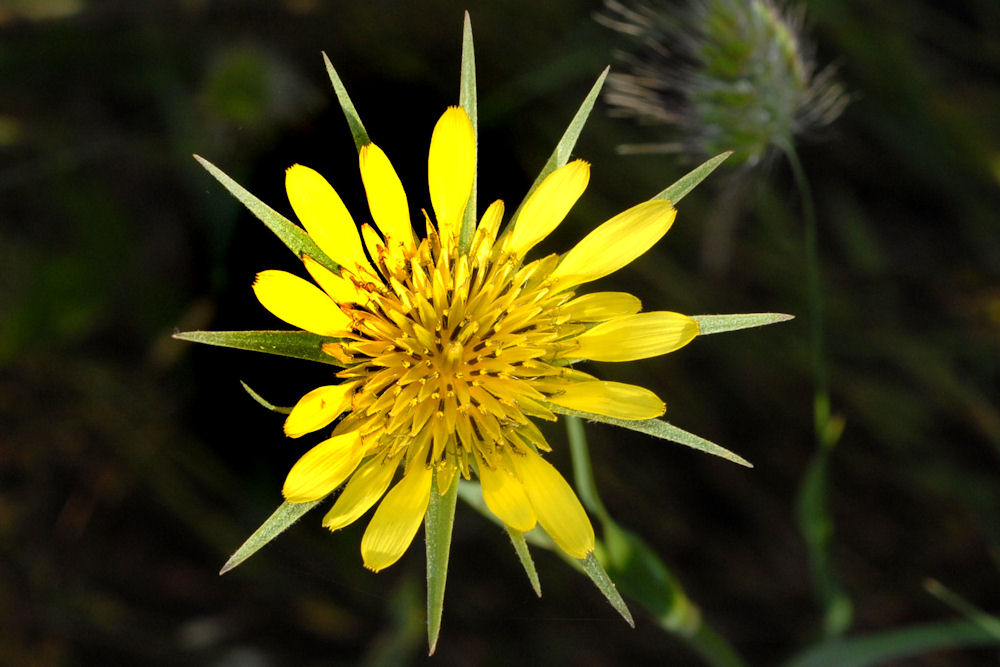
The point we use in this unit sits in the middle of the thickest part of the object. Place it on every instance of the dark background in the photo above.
(132, 465)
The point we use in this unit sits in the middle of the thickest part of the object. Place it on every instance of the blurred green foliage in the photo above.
(131, 465)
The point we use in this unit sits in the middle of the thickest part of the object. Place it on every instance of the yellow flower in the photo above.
(449, 352)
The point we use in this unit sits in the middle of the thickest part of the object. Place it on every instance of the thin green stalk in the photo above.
(821, 390)
(815, 520)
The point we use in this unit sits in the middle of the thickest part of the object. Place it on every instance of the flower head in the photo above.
(450, 350)
(728, 74)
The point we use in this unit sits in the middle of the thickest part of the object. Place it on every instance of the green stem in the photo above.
(815, 521)
(821, 400)
(646, 578)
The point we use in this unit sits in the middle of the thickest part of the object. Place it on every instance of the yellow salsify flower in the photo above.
(449, 352)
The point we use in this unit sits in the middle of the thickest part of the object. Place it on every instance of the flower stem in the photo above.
(815, 520)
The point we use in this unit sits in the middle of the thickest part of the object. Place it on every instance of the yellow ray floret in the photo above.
(319, 408)
(363, 490)
(386, 198)
(323, 214)
(638, 336)
(612, 399)
(556, 506)
(547, 206)
(397, 519)
(616, 243)
(323, 468)
(451, 167)
(504, 495)
(299, 303)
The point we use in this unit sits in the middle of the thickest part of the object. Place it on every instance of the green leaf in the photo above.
(711, 324)
(892, 646)
(438, 522)
(467, 98)
(687, 183)
(521, 548)
(604, 584)
(283, 517)
(563, 150)
(290, 234)
(260, 399)
(659, 429)
(350, 113)
(296, 344)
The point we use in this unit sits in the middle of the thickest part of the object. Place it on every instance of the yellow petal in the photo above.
(615, 243)
(363, 490)
(300, 303)
(633, 337)
(613, 399)
(318, 408)
(547, 206)
(601, 306)
(505, 497)
(558, 509)
(397, 519)
(338, 287)
(486, 232)
(451, 166)
(324, 216)
(386, 198)
(323, 468)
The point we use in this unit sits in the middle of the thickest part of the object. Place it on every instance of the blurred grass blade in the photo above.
(893, 646)
(990, 624)
(295, 344)
(358, 131)
(658, 429)
(467, 99)
(604, 584)
(563, 150)
(283, 517)
(290, 234)
(710, 324)
(438, 522)
(521, 547)
(687, 183)
(260, 399)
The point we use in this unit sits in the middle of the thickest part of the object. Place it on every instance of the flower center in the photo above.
(451, 354)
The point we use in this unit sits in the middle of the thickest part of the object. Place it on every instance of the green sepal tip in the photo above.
(294, 344)
(283, 517)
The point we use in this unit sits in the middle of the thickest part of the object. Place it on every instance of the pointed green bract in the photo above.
(659, 429)
(468, 100)
(295, 344)
(560, 156)
(521, 548)
(290, 234)
(438, 522)
(260, 399)
(687, 183)
(283, 517)
(593, 569)
(710, 324)
(350, 113)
